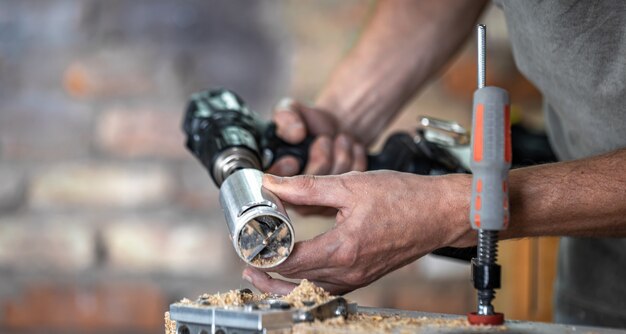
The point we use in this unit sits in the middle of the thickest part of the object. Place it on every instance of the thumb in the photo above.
(289, 122)
(317, 190)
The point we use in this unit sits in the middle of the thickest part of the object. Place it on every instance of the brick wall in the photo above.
(104, 217)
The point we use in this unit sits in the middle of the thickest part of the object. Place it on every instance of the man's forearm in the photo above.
(581, 198)
(578, 198)
(405, 43)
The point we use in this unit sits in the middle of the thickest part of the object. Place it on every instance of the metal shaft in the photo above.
(481, 31)
(487, 255)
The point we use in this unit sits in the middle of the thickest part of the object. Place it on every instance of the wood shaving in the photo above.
(377, 323)
(231, 298)
(260, 262)
(307, 292)
(170, 325)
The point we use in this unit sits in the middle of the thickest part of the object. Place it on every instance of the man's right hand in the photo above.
(331, 152)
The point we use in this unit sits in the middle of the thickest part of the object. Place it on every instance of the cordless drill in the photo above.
(235, 145)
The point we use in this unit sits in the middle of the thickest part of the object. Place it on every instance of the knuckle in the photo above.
(348, 255)
(353, 174)
(307, 182)
(318, 163)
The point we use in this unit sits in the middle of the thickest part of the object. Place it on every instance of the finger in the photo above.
(310, 254)
(319, 122)
(359, 158)
(342, 155)
(334, 289)
(315, 210)
(267, 283)
(290, 125)
(320, 156)
(326, 191)
(285, 166)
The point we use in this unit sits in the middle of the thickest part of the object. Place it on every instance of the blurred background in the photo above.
(105, 219)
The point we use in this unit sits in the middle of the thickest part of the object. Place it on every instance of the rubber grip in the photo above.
(490, 159)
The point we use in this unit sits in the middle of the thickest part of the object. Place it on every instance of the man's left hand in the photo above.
(385, 220)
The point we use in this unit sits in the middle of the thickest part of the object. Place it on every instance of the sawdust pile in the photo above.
(231, 298)
(373, 323)
(307, 292)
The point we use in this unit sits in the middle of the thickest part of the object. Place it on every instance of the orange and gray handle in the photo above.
(490, 159)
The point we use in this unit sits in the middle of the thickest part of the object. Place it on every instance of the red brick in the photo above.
(59, 243)
(92, 185)
(178, 246)
(46, 128)
(140, 132)
(105, 306)
(110, 73)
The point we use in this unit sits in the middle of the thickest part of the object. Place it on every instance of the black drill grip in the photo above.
(281, 148)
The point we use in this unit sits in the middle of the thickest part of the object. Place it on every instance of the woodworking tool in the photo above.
(272, 315)
(490, 162)
(275, 317)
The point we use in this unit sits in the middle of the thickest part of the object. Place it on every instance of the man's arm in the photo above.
(580, 198)
(405, 43)
(386, 219)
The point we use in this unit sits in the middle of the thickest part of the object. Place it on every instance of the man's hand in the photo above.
(330, 153)
(385, 220)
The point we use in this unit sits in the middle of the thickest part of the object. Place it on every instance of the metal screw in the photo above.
(481, 31)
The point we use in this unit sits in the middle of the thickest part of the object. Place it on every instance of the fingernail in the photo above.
(285, 104)
(294, 128)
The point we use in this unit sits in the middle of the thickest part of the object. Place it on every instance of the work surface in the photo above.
(511, 326)
(194, 319)
(309, 309)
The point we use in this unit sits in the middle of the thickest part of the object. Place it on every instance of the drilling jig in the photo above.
(490, 162)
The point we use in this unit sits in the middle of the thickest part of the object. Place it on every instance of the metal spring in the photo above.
(487, 254)
(487, 247)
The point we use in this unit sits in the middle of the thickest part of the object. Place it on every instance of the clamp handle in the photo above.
(490, 159)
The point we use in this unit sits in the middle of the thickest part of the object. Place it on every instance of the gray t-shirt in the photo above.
(575, 53)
